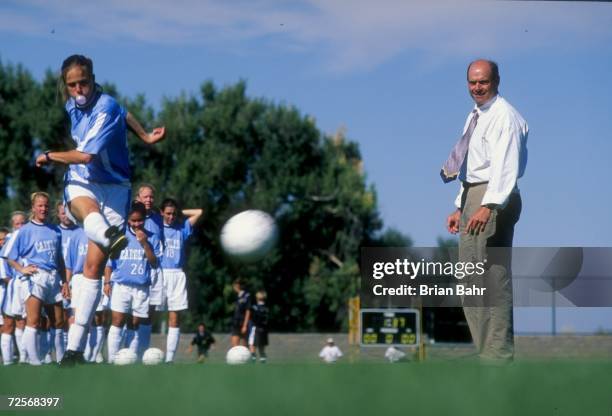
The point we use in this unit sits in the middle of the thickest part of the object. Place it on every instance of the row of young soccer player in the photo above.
(41, 266)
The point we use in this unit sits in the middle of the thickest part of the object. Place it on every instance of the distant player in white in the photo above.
(176, 234)
(97, 182)
(155, 225)
(13, 307)
(127, 280)
(38, 246)
(330, 352)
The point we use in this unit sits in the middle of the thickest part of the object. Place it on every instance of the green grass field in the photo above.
(430, 388)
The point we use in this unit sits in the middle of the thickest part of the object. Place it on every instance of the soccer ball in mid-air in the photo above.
(125, 356)
(238, 355)
(152, 356)
(249, 235)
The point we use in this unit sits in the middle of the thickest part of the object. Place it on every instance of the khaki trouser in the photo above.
(491, 325)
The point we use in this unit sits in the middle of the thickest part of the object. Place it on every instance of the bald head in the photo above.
(483, 80)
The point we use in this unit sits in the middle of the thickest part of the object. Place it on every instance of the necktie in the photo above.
(451, 167)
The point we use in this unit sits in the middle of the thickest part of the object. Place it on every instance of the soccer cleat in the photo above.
(72, 358)
(118, 241)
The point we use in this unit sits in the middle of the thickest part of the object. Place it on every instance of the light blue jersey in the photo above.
(100, 130)
(132, 267)
(67, 233)
(6, 271)
(76, 252)
(37, 244)
(154, 223)
(174, 249)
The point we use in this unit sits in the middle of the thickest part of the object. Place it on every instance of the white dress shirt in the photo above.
(330, 353)
(498, 151)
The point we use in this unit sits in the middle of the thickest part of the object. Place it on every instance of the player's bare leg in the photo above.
(103, 240)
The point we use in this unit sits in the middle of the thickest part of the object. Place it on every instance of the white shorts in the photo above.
(130, 299)
(15, 296)
(156, 294)
(45, 285)
(175, 285)
(75, 286)
(113, 199)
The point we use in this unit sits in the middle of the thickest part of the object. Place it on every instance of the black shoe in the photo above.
(118, 241)
(72, 358)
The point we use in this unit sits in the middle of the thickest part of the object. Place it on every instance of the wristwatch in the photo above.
(47, 155)
(492, 207)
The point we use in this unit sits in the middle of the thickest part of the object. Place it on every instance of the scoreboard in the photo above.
(386, 327)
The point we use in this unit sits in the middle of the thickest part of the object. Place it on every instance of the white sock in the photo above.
(58, 340)
(114, 341)
(144, 338)
(97, 347)
(95, 226)
(172, 343)
(30, 344)
(89, 296)
(6, 344)
(90, 339)
(23, 354)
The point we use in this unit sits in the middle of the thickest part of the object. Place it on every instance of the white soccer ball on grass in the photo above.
(238, 355)
(249, 235)
(125, 356)
(153, 356)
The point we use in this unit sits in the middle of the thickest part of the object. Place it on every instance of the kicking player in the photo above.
(97, 182)
(130, 276)
(13, 308)
(176, 234)
(38, 246)
(242, 314)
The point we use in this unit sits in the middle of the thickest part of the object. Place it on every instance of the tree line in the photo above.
(225, 152)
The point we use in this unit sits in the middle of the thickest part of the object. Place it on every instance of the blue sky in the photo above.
(391, 72)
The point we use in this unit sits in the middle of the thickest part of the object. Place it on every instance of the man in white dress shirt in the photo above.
(488, 160)
(330, 352)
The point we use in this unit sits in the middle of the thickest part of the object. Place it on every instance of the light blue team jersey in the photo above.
(6, 271)
(100, 130)
(37, 244)
(67, 233)
(174, 249)
(76, 252)
(154, 223)
(132, 267)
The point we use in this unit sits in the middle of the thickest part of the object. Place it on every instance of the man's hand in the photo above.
(453, 222)
(479, 221)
